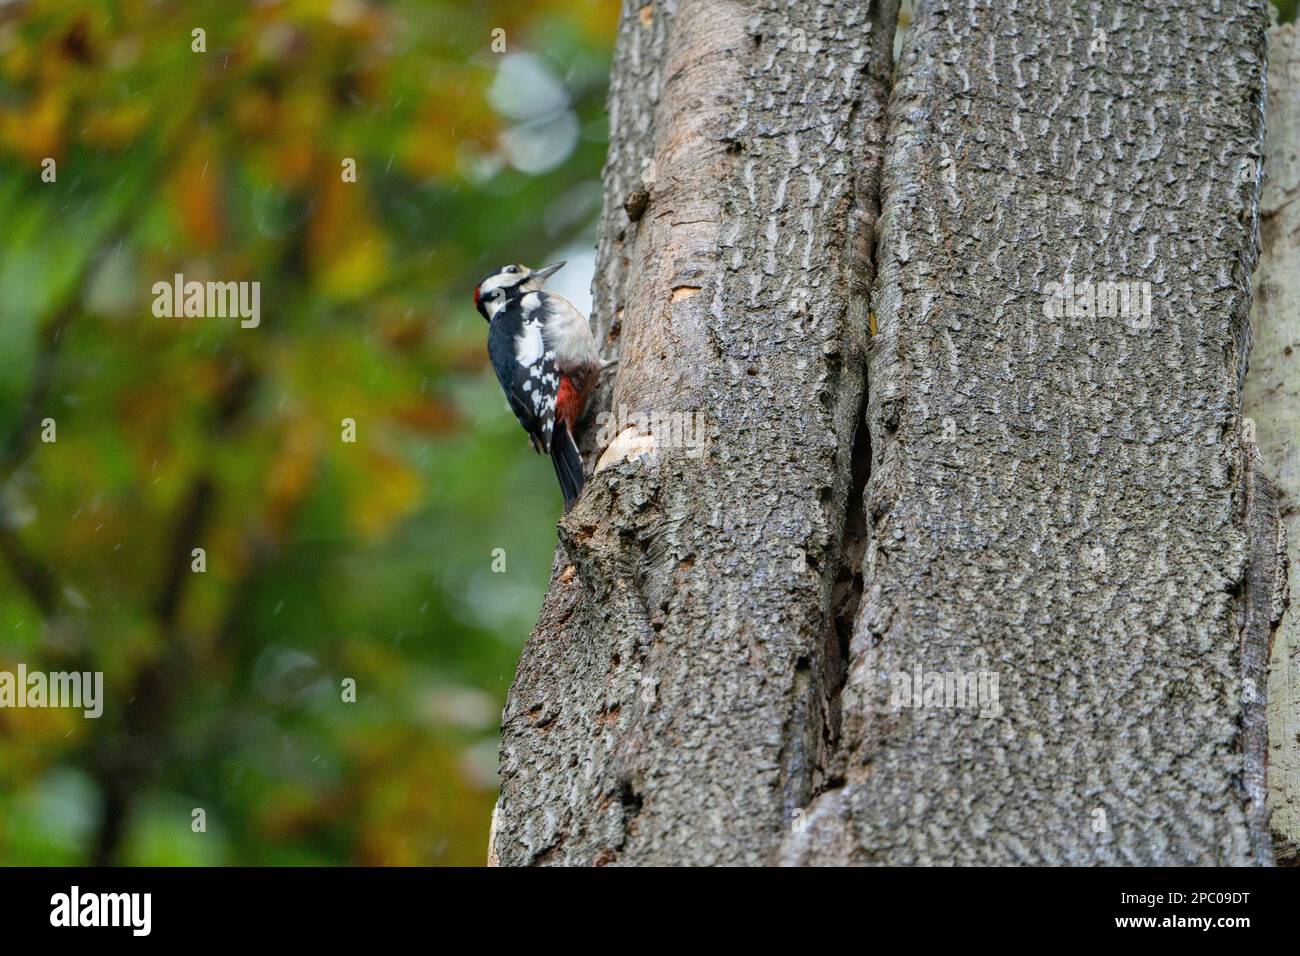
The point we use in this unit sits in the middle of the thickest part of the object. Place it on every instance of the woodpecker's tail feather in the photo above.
(568, 464)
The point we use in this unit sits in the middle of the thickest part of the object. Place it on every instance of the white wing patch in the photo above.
(529, 345)
(542, 381)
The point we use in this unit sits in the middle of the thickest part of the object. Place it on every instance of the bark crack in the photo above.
(1262, 597)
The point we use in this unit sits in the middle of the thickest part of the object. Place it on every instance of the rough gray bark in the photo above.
(1066, 504)
(676, 698)
(1273, 403)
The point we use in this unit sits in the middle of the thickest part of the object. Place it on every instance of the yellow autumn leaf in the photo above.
(348, 252)
(388, 491)
(195, 191)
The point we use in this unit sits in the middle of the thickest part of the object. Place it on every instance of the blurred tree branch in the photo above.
(124, 764)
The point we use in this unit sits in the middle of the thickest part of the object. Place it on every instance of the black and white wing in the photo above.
(526, 368)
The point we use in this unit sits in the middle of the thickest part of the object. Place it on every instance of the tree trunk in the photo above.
(1273, 405)
(1062, 527)
(676, 699)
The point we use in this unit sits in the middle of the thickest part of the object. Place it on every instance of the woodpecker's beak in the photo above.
(544, 274)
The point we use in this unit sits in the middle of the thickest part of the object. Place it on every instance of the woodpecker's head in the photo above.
(510, 280)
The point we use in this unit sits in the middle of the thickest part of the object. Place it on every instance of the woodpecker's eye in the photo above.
(512, 269)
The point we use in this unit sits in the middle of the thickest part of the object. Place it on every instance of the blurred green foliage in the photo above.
(325, 560)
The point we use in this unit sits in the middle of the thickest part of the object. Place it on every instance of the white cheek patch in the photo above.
(502, 280)
(528, 344)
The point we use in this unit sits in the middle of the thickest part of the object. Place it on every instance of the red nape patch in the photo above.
(568, 403)
(476, 288)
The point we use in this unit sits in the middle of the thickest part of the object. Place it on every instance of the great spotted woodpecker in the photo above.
(545, 357)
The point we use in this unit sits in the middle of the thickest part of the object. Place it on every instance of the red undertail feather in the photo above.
(568, 402)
